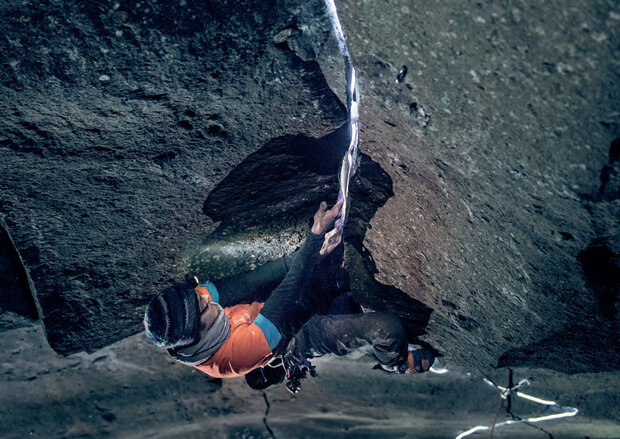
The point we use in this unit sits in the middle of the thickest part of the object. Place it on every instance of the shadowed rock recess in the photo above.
(118, 120)
(485, 212)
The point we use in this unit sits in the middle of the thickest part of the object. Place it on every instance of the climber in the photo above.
(340, 331)
(235, 325)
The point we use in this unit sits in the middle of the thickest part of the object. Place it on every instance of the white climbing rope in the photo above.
(351, 158)
(333, 15)
(505, 392)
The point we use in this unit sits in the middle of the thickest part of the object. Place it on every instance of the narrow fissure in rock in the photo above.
(16, 299)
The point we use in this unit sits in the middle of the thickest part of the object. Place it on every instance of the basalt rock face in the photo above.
(505, 214)
(118, 119)
(135, 135)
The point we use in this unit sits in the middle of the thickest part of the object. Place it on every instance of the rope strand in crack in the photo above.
(350, 161)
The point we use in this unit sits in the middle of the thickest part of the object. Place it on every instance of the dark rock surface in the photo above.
(495, 141)
(130, 390)
(142, 139)
(118, 120)
(17, 305)
(486, 208)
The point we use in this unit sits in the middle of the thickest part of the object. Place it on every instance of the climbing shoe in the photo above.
(418, 361)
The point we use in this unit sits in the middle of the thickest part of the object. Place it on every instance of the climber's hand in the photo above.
(324, 219)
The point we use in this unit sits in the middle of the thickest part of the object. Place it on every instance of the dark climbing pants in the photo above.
(283, 285)
(343, 334)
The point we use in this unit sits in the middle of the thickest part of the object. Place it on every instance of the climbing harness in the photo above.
(296, 368)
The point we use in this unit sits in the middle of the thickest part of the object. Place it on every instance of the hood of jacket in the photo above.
(211, 340)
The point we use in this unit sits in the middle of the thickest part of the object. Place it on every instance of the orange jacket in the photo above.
(247, 347)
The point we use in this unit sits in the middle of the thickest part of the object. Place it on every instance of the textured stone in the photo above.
(118, 120)
(487, 182)
(493, 196)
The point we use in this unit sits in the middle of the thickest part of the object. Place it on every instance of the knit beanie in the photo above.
(172, 317)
